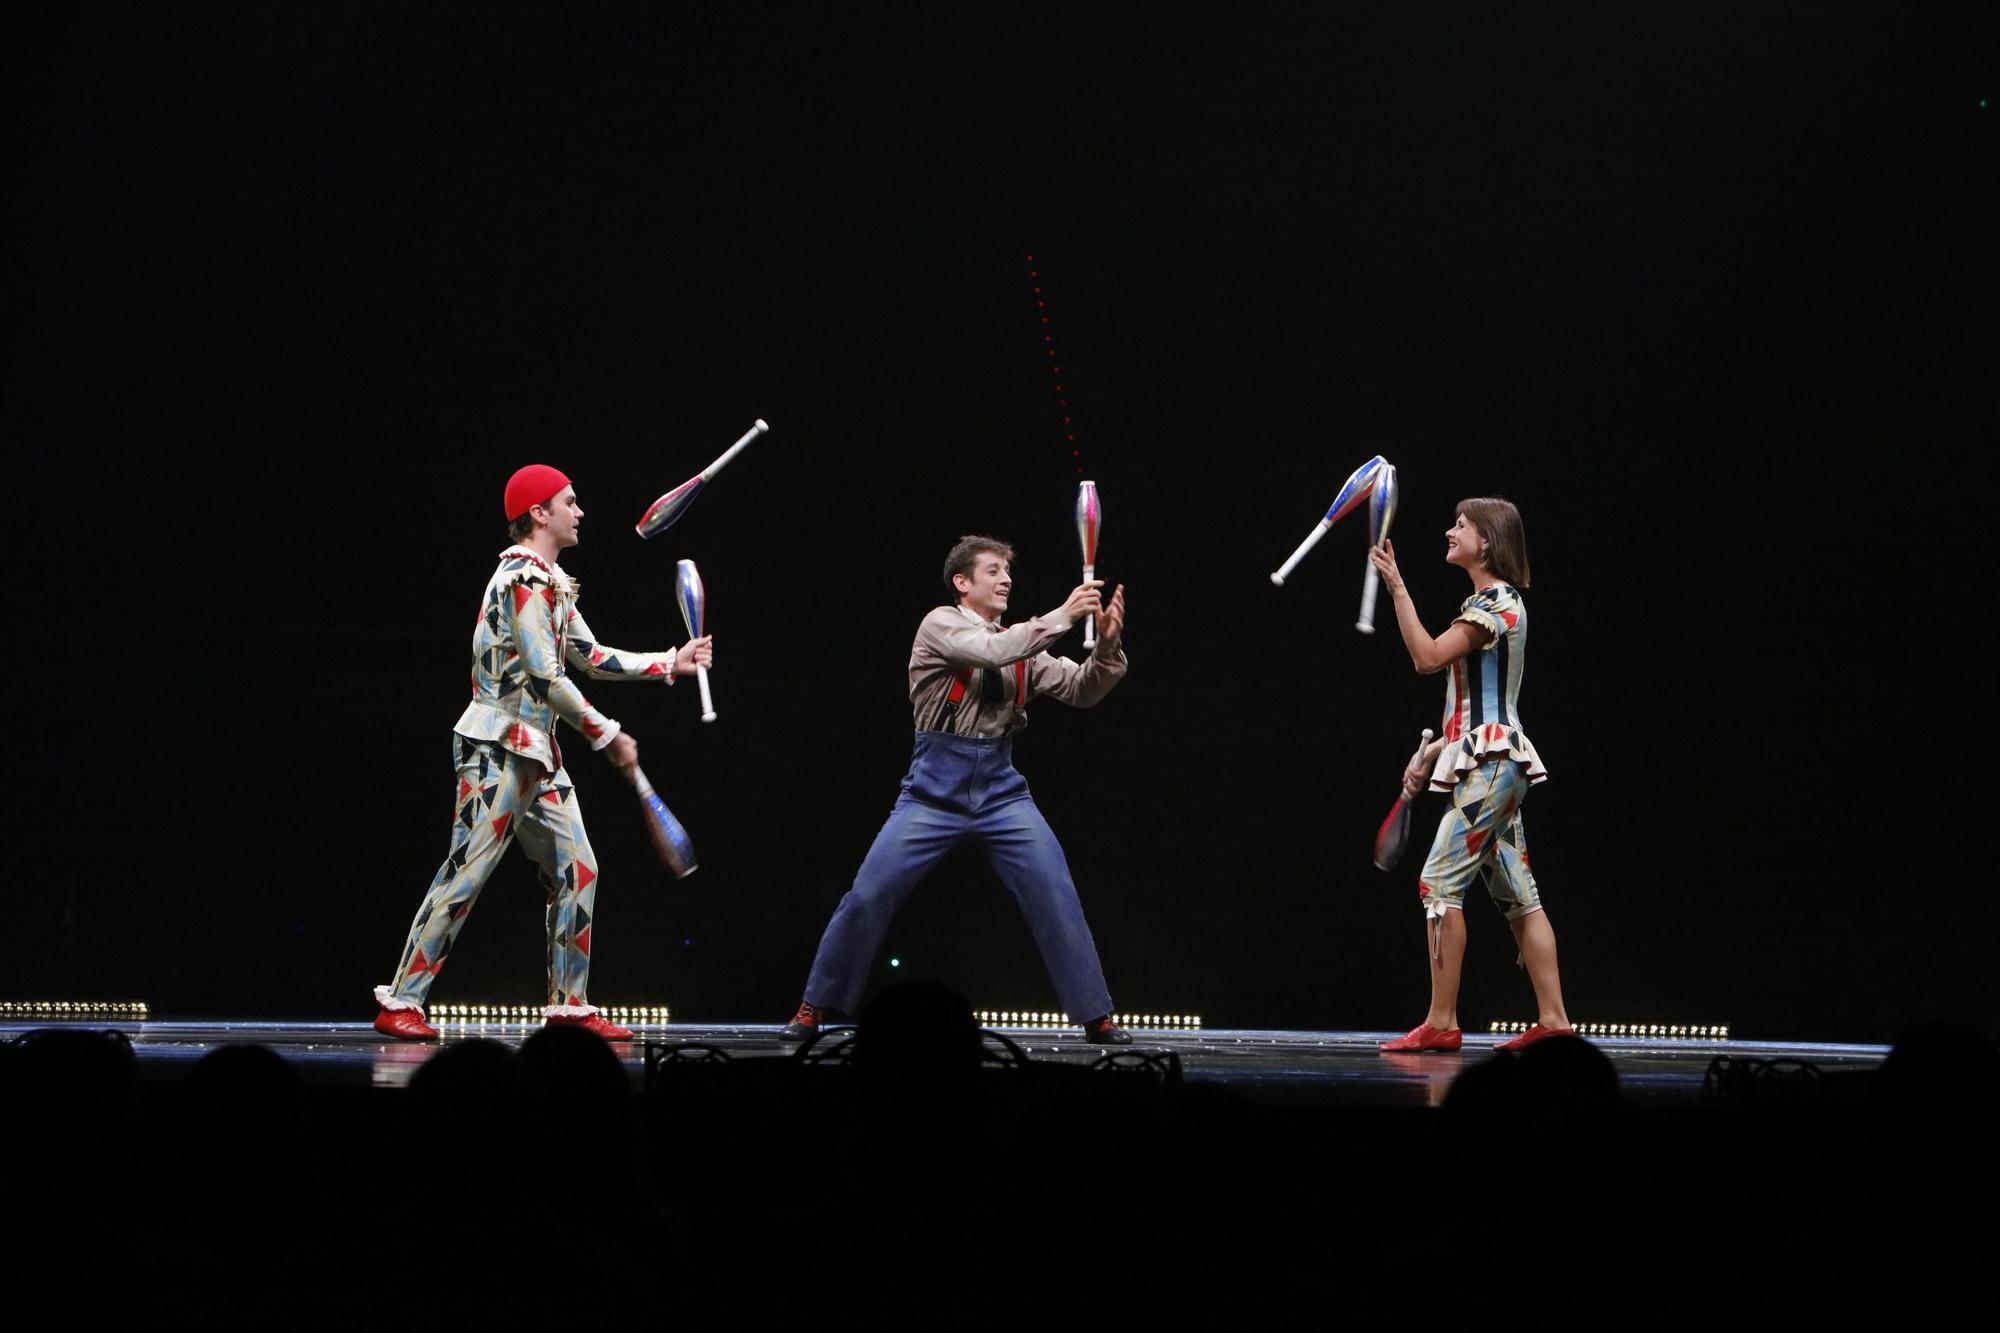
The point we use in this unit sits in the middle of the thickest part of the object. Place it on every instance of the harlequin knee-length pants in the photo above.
(1482, 837)
(501, 797)
(963, 789)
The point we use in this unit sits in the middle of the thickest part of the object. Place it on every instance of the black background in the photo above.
(1708, 292)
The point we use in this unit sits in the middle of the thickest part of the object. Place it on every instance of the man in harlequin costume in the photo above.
(511, 779)
(970, 683)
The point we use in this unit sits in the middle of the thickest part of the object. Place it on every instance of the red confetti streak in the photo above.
(1048, 339)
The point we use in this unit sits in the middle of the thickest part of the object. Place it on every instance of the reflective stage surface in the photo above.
(1278, 1067)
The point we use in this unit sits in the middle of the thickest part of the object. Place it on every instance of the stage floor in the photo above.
(1278, 1067)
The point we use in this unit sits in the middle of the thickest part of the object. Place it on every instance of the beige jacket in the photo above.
(1000, 670)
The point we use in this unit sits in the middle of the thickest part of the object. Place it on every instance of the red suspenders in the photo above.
(962, 678)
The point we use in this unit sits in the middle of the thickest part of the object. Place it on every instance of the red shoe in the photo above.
(592, 1023)
(404, 1024)
(805, 1023)
(1533, 1035)
(1424, 1037)
(1104, 1032)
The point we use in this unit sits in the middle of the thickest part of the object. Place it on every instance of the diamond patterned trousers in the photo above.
(502, 796)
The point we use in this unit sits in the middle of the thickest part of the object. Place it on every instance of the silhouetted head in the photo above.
(246, 1079)
(918, 1026)
(477, 1080)
(1569, 1074)
(576, 1068)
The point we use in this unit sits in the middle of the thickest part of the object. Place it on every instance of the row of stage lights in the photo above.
(1661, 1031)
(129, 1010)
(1017, 1018)
(139, 1011)
(530, 1013)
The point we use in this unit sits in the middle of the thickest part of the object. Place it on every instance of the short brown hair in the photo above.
(966, 554)
(522, 528)
(1506, 541)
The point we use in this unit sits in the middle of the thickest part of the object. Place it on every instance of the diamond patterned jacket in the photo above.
(528, 634)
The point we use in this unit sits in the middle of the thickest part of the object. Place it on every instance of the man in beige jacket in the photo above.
(970, 683)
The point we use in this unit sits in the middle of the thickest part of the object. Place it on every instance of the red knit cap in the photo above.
(535, 484)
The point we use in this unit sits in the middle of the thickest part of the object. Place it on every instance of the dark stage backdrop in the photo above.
(1709, 293)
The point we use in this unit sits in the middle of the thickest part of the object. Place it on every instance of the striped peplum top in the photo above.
(1481, 717)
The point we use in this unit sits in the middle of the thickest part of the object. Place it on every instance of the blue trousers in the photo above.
(962, 789)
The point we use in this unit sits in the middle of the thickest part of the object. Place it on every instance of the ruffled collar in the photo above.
(556, 572)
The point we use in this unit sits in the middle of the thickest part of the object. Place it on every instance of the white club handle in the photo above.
(707, 704)
(708, 473)
(1090, 622)
(1312, 540)
(1422, 745)
(1369, 585)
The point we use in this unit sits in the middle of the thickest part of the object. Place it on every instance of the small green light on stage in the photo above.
(895, 962)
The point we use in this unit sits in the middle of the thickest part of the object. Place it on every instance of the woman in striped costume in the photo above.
(1485, 762)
